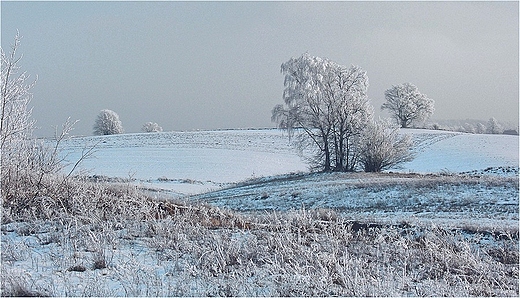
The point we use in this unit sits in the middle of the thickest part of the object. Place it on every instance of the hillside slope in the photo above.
(461, 152)
(184, 163)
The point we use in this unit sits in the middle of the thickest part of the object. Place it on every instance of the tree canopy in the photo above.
(407, 105)
(108, 123)
(327, 104)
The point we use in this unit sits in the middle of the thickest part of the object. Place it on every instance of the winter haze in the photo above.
(193, 65)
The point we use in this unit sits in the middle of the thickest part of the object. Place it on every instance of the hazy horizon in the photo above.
(216, 65)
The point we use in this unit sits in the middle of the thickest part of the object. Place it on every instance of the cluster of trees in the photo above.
(326, 111)
(108, 123)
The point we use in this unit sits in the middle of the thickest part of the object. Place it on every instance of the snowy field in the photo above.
(259, 170)
(446, 224)
(188, 162)
(194, 162)
(461, 152)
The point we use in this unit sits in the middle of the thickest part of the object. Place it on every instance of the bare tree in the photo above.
(16, 125)
(29, 168)
(352, 111)
(327, 105)
(304, 108)
(108, 123)
(407, 105)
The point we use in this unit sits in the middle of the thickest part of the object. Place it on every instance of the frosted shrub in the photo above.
(382, 147)
(19, 155)
(108, 123)
(32, 183)
(151, 127)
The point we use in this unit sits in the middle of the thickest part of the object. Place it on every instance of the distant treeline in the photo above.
(492, 126)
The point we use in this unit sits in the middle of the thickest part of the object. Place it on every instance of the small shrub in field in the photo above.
(151, 127)
(99, 262)
(77, 268)
(382, 147)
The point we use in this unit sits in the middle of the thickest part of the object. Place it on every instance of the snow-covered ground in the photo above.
(453, 152)
(188, 162)
(185, 163)
(258, 170)
(452, 201)
(250, 170)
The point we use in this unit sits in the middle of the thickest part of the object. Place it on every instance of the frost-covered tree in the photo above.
(28, 167)
(469, 128)
(151, 127)
(493, 127)
(17, 150)
(327, 104)
(15, 123)
(481, 128)
(382, 147)
(407, 105)
(108, 123)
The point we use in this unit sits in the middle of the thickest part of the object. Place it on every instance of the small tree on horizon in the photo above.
(151, 127)
(407, 105)
(481, 128)
(108, 123)
(493, 127)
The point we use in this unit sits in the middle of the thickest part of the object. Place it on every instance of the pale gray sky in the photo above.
(208, 65)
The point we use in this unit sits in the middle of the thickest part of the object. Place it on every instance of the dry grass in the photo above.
(105, 239)
(173, 249)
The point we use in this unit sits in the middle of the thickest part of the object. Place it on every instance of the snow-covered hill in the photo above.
(189, 162)
(199, 161)
(461, 152)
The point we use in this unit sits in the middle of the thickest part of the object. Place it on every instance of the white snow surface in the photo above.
(184, 163)
(187, 163)
(460, 152)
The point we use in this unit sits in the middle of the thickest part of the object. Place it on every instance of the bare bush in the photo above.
(17, 154)
(383, 148)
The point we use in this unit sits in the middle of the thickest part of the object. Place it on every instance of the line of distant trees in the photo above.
(492, 126)
(108, 123)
